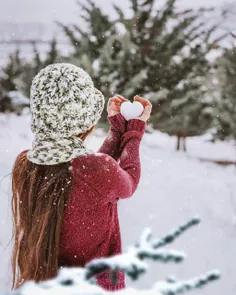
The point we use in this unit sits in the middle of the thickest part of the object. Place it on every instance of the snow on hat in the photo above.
(64, 103)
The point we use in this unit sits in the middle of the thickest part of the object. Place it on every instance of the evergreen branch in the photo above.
(161, 255)
(172, 236)
(80, 31)
(131, 262)
(167, 10)
(17, 57)
(119, 12)
(176, 287)
(84, 7)
(52, 54)
(215, 43)
(145, 15)
(134, 5)
(177, 30)
(126, 262)
(86, 18)
(148, 2)
(76, 280)
(198, 35)
(184, 12)
(70, 34)
(72, 281)
(233, 35)
(162, 18)
(92, 4)
(194, 29)
(37, 59)
(210, 32)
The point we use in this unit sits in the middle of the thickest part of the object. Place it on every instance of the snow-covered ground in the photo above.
(174, 187)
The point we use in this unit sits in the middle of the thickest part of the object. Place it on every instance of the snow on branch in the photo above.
(131, 262)
(174, 287)
(78, 281)
(169, 238)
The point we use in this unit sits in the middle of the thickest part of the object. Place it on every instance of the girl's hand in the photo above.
(114, 103)
(147, 108)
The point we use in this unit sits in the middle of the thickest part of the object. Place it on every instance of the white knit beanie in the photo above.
(64, 103)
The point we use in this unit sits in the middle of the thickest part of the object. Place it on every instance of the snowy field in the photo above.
(174, 187)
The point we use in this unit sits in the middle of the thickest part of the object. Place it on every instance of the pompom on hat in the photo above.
(64, 103)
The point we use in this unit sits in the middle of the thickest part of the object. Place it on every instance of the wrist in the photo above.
(136, 124)
(118, 123)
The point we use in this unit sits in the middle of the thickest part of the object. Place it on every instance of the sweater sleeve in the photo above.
(111, 180)
(111, 145)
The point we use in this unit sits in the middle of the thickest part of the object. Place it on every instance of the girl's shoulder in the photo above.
(92, 161)
(96, 165)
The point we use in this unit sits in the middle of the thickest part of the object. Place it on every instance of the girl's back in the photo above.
(64, 195)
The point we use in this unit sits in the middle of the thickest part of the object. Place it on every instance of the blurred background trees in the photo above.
(16, 77)
(227, 99)
(162, 54)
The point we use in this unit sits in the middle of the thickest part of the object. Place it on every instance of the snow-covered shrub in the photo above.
(17, 75)
(78, 281)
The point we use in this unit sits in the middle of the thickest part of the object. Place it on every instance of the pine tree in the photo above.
(89, 41)
(31, 68)
(10, 80)
(174, 78)
(226, 106)
(11, 72)
(161, 55)
(18, 73)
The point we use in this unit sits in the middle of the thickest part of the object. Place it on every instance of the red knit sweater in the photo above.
(91, 227)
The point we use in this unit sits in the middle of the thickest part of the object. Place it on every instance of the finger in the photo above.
(136, 97)
(143, 101)
(116, 99)
(113, 98)
(122, 98)
(139, 98)
(109, 102)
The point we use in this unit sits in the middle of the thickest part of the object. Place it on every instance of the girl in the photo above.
(65, 196)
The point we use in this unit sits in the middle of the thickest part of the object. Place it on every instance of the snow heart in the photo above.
(131, 110)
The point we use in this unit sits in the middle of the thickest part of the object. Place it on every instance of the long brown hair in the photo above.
(40, 194)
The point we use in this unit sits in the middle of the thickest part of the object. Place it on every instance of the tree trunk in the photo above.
(184, 144)
(178, 143)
